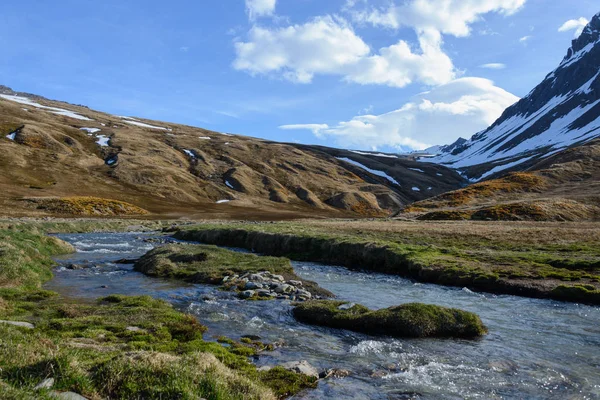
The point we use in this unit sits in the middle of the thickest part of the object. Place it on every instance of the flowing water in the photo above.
(536, 349)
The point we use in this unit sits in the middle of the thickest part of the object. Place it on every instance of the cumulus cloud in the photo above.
(493, 66)
(452, 17)
(459, 108)
(327, 45)
(576, 25)
(260, 8)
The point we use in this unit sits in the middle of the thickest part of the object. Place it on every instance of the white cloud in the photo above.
(260, 8)
(459, 108)
(574, 24)
(525, 39)
(314, 128)
(493, 66)
(452, 17)
(330, 46)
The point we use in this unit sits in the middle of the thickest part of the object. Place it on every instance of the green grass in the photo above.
(406, 321)
(473, 255)
(119, 347)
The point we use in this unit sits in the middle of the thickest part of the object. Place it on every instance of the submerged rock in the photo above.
(302, 367)
(408, 320)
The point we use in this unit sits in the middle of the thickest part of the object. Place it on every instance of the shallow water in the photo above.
(536, 349)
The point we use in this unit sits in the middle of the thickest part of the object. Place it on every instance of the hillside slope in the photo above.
(561, 112)
(60, 158)
(562, 187)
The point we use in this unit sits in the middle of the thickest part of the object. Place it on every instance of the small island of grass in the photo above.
(412, 320)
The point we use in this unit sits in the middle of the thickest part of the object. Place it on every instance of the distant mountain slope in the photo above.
(562, 111)
(564, 186)
(53, 153)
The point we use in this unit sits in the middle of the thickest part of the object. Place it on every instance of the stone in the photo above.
(225, 279)
(208, 297)
(18, 323)
(301, 367)
(284, 288)
(303, 293)
(45, 384)
(264, 368)
(295, 283)
(346, 306)
(253, 285)
(75, 266)
(278, 278)
(256, 278)
(334, 373)
(133, 329)
(246, 294)
(264, 293)
(67, 396)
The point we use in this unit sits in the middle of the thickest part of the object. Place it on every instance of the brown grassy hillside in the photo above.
(173, 170)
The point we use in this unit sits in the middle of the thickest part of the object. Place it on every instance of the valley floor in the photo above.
(548, 260)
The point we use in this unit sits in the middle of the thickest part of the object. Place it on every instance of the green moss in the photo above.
(285, 383)
(408, 320)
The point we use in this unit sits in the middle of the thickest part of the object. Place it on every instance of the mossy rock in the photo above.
(412, 320)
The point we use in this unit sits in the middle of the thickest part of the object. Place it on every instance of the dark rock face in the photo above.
(562, 111)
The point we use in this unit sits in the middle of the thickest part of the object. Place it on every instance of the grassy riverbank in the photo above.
(120, 347)
(547, 260)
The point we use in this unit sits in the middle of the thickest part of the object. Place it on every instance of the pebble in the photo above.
(45, 384)
(246, 294)
(301, 367)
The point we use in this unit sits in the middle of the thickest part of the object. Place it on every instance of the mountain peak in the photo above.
(590, 35)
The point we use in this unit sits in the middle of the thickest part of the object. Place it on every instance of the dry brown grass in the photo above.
(514, 182)
(87, 206)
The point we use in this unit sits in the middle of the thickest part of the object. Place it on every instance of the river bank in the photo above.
(534, 349)
(553, 261)
(114, 346)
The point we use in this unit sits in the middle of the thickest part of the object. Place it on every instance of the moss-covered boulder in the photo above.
(412, 320)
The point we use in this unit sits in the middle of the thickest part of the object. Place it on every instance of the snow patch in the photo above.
(417, 169)
(102, 140)
(11, 136)
(204, 137)
(229, 184)
(54, 110)
(132, 121)
(416, 189)
(189, 153)
(90, 130)
(374, 154)
(223, 201)
(373, 171)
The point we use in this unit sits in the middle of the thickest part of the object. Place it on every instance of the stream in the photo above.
(535, 349)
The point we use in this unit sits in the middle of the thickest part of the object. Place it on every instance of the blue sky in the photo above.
(348, 73)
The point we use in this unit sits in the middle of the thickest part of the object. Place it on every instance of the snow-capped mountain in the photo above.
(562, 111)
